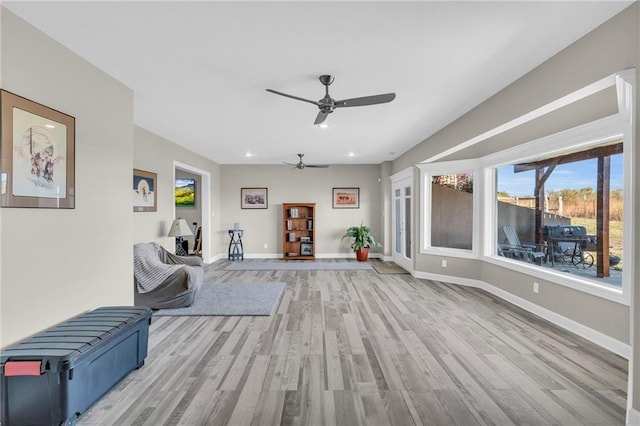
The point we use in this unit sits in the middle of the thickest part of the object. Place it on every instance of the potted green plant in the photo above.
(362, 240)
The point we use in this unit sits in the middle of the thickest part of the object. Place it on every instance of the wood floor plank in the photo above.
(475, 394)
(535, 396)
(428, 408)
(373, 407)
(268, 411)
(244, 409)
(333, 367)
(362, 348)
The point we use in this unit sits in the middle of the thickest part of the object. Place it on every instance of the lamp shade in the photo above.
(179, 228)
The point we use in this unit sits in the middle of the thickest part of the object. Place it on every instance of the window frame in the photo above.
(617, 127)
(427, 172)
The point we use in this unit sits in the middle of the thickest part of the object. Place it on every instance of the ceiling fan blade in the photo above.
(290, 164)
(320, 118)
(316, 103)
(317, 166)
(366, 100)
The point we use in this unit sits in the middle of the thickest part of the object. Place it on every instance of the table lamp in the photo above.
(179, 229)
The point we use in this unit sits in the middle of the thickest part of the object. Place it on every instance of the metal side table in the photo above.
(235, 244)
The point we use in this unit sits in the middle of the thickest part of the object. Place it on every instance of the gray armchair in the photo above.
(163, 280)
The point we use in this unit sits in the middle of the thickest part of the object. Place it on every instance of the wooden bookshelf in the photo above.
(298, 231)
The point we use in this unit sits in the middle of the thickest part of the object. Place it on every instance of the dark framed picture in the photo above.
(254, 198)
(38, 155)
(346, 198)
(185, 192)
(144, 191)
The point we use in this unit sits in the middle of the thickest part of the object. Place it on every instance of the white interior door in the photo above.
(402, 222)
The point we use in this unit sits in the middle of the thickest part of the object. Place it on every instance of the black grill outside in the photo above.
(563, 231)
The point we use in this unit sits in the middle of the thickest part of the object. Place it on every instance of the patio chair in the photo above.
(527, 252)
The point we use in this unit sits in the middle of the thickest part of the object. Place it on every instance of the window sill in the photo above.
(450, 252)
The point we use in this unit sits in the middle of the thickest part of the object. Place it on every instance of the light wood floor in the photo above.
(361, 348)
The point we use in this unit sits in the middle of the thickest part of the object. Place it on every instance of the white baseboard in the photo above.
(214, 258)
(633, 417)
(263, 255)
(318, 256)
(615, 346)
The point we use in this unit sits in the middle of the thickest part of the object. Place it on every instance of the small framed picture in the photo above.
(185, 192)
(37, 153)
(346, 198)
(144, 191)
(254, 198)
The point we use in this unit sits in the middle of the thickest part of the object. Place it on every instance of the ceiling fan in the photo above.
(300, 165)
(328, 104)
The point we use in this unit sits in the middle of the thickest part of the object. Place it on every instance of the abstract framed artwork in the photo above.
(144, 191)
(254, 198)
(38, 155)
(346, 198)
(185, 192)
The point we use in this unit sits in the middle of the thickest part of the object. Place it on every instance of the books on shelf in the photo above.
(292, 236)
(289, 225)
(294, 213)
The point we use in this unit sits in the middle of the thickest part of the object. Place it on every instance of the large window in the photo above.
(549, 206)
(564, 213)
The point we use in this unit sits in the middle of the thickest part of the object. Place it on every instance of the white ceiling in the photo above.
(199, 69)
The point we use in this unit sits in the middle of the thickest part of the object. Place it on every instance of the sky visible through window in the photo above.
(576, 175)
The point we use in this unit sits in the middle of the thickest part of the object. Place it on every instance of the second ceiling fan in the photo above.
(300, 165)
(328, 104)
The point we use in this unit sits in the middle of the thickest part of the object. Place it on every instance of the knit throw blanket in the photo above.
(148, 270)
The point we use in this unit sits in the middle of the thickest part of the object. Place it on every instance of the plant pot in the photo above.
(362, 254)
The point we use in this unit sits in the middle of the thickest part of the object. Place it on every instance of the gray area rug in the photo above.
(232, 299)
(297, 266)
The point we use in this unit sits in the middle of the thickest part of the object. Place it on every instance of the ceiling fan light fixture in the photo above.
(327, 104)
(322, 125)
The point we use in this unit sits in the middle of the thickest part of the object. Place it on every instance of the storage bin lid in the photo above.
(60, 346)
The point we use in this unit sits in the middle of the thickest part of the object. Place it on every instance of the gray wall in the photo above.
(58, 263)
(156, 154)
(299, 186)
(608, 49)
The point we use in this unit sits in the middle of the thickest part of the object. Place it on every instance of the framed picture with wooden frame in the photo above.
(38, 155)
(346, 198)
(144, 191)
(254, 198)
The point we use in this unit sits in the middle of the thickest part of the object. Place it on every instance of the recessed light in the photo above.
(248, 154)
(351, 154)
(323, 125)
